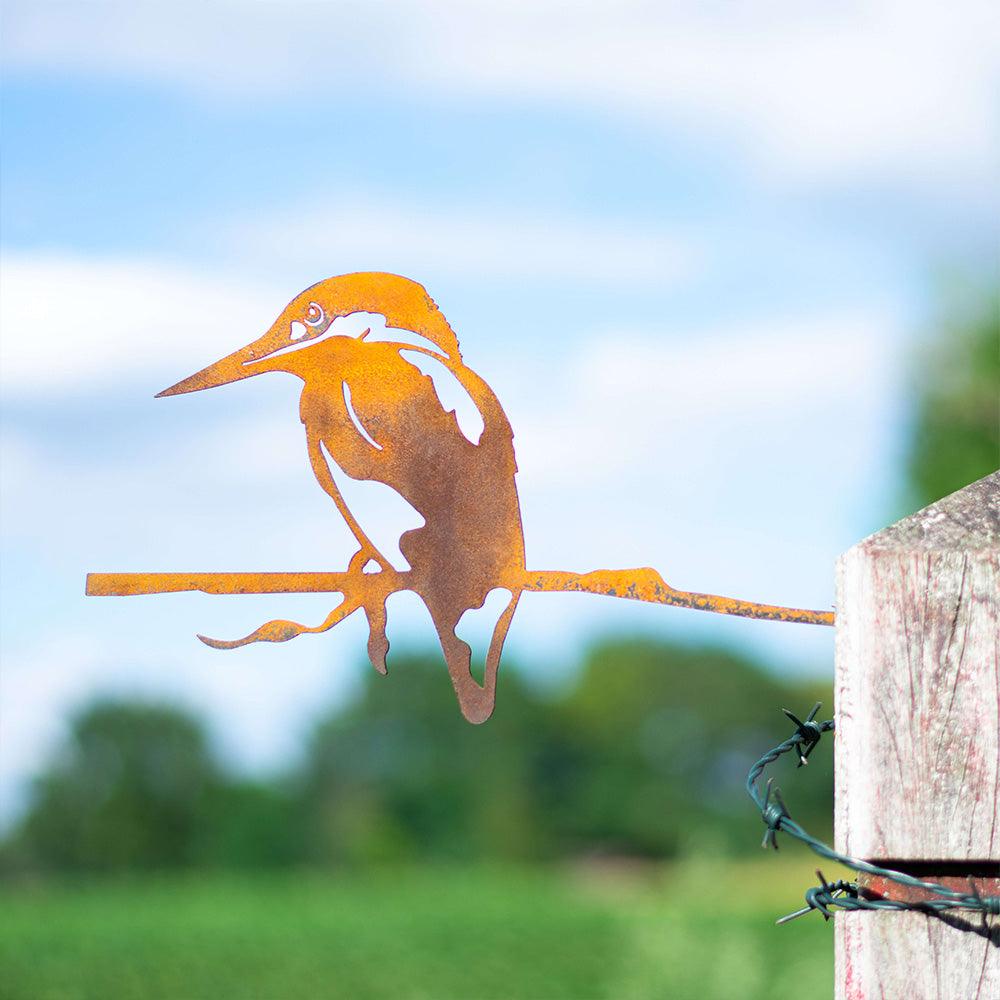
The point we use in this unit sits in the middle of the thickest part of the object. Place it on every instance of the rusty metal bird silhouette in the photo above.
(378, 417)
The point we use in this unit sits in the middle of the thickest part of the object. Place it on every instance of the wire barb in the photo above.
(842, 894)
(820, 897)
(809, 732)
(773, 813)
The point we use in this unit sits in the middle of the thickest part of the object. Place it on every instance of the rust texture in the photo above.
(378, 417)
(877, 887)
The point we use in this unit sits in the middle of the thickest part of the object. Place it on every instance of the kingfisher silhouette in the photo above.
(379, 418)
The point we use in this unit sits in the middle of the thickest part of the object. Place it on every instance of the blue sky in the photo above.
(689, 245)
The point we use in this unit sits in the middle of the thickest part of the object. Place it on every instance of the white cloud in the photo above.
(415, 240)
(903, 90)
(810, 89)
(70, 323)
(631, 395)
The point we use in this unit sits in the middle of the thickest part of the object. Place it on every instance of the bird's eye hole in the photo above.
(297, 331)
(314, 315)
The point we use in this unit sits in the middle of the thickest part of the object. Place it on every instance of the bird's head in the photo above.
(308, 317)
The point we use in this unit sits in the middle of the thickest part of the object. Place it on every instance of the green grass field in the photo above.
(443, 933)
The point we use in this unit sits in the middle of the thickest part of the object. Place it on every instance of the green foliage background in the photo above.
(643, 756)
(573, 847)
(955, 438)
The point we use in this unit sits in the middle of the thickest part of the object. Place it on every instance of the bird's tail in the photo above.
(476, 700)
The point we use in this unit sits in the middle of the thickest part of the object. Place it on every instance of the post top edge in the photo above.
(967, 520)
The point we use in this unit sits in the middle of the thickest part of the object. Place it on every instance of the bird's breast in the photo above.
(383, 421)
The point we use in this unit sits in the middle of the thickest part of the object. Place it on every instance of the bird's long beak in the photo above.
(247, 361)
(404, 304)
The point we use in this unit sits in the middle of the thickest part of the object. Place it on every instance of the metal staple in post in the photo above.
(842, 894)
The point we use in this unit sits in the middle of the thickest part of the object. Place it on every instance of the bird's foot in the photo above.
(378, 642)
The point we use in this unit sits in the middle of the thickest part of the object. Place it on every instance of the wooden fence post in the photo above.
(918, 743)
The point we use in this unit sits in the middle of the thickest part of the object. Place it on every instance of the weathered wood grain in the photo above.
(918, 735)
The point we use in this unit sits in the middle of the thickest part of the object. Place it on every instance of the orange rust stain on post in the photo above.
(378, 417)
(877, 887)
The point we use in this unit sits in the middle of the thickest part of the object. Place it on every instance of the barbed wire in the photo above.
(843, 894)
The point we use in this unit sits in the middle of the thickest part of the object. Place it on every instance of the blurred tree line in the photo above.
(643, 755)
(955, 432)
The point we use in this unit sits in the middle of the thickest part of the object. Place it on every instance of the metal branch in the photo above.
(642, 584)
